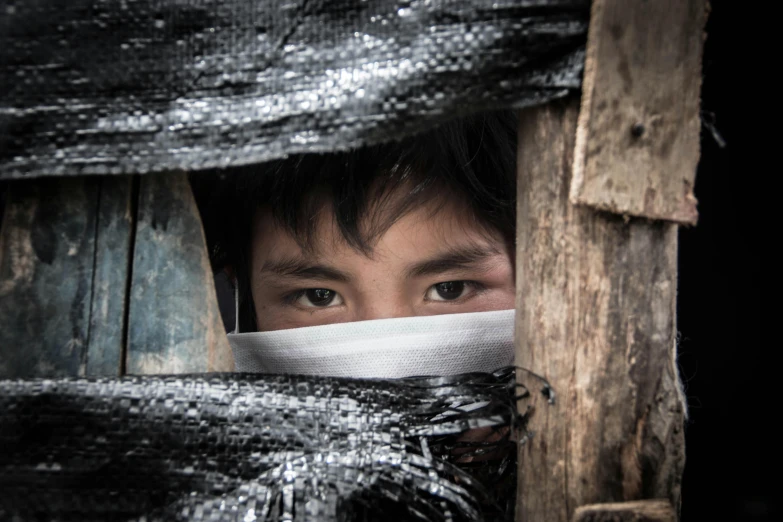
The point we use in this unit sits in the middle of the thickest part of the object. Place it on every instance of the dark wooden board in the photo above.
(110, 285)
(47, 252)
(174, 322)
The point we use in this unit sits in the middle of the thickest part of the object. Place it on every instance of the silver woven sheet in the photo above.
(241, 447)
(136, 86)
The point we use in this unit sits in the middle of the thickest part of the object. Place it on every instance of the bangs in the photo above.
(370, 189)
(363, 208)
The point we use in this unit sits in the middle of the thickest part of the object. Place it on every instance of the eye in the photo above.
(318, 298)
(447, 291)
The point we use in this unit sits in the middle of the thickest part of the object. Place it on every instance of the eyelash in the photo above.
(472, 285)
(293, 297)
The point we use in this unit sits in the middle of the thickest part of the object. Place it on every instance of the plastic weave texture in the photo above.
(246, 447)
(137, 86)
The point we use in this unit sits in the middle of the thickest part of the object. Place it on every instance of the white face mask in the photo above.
(383, 348)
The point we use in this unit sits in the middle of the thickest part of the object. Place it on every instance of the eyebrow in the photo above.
(303, 269)
(454, 259)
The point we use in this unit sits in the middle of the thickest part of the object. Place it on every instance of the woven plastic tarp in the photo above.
(255, 448)
(136, 86)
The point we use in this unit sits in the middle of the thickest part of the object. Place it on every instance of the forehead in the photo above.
(431, 226)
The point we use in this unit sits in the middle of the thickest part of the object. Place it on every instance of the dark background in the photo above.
(732, 448)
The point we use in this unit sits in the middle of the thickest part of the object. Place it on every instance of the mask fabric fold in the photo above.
(384, 348)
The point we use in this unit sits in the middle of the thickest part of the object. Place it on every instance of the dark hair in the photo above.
(471, 158)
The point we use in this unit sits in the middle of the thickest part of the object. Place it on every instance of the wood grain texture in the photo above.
(595, 317)
(47, 250)
(637, 511)
(108, 313)
(637, 143)
(174, 322)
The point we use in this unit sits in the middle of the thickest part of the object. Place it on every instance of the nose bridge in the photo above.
(385, 309)
(381, 290)
(382, 299)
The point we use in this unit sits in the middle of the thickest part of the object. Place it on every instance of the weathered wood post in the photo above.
(100, 279)
(601, 190)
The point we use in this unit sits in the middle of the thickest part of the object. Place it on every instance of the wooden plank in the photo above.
(638, 511)
(637, 140)
(110, 282)
(47, 249)
(595, 317)
(174, 322)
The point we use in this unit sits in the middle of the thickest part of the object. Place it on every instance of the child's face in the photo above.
(427, 263)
